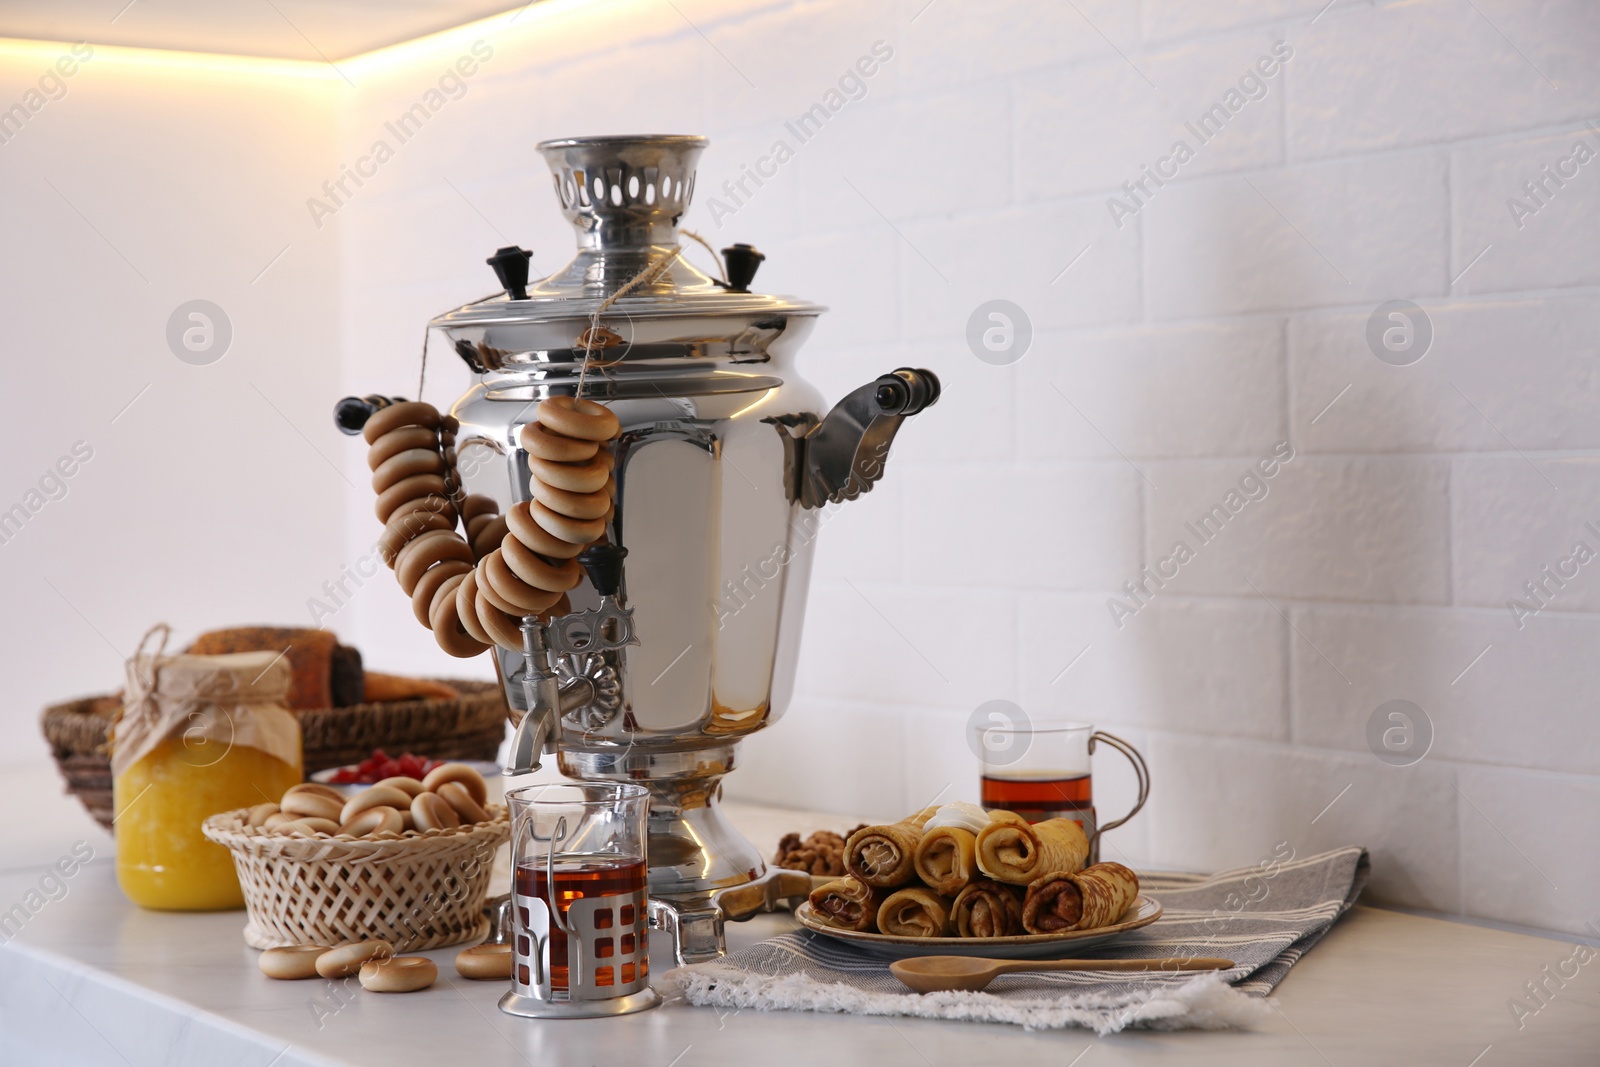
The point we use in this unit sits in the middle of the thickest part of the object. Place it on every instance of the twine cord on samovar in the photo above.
(651, 272)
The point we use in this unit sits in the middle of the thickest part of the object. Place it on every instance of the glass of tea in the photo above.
(1041, 770)
(580, 912)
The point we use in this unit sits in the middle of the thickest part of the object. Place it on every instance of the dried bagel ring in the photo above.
(485, 963)
(304, 805)
(405, 527)
(423, 552)
(341, 961)
(430, 582)
(379, 820)
(539, 601)
(537, 440)
(521, 525)
(374, 796)
(467, 609)
(495, 578)
(432, 812)
(407, 413)
(577, 531)
(478, 504)
(407, 489)
(428, 503)
(572, 505)
(576, 417)
(290, 962)
(396, 441)
(489, 536)
(464, 773)
(503, 626)
(478, 522)
(460, 798)
(533, 569)
(315, 787)
(587, 477)
(406, 784)
(404, 464)
(445, 622)
(403, 974)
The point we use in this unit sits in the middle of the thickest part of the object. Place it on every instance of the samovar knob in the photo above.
(511, 267)
(603, 564)
(742, 262)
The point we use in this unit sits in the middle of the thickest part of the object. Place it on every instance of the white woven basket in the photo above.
(416, 890)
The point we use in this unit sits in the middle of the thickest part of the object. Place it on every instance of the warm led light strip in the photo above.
(389, 55)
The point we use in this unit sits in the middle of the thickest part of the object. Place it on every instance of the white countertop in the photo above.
(92, 979)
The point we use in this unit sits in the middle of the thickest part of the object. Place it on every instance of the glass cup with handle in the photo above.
(580, 911)
(1042, 770)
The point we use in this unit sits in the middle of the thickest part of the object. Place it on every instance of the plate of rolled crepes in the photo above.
(979, 883)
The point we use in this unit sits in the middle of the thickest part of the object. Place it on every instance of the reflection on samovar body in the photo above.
(724, 466)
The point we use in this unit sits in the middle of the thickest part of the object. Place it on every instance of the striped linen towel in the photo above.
(1263, 917)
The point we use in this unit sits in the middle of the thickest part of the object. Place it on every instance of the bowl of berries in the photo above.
(354, 777)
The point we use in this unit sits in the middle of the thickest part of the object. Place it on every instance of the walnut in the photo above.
(822, 853)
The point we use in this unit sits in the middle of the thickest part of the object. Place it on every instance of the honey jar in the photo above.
(197, 735)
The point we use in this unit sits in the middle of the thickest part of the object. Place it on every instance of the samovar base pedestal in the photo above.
(703, 871)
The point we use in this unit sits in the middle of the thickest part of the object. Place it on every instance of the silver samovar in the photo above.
(723, 465)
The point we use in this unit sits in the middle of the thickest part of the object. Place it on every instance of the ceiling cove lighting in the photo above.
(346, 69)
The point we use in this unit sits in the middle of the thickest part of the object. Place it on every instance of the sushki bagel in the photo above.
(473, 591)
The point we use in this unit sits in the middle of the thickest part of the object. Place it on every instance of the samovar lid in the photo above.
(624, 196)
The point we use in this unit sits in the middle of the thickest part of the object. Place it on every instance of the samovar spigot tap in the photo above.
(593, 690)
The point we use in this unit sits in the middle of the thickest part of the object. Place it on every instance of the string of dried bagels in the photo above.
(473, 591)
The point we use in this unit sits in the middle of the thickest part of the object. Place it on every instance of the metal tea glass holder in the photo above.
(607, 938)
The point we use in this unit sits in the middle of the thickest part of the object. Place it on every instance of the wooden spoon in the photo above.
(934, 974)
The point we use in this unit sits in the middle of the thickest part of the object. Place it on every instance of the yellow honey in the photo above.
(163, 860)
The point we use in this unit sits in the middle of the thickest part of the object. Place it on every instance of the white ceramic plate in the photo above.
(489, 770)
(1142, 912)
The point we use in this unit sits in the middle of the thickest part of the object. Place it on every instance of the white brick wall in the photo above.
(1227, 315)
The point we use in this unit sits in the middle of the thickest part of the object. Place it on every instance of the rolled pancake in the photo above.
(883, 856)
(946, 859)
(915, 912)
(1011, 850)
(1085, 900)
(847, 904)
(987, 908)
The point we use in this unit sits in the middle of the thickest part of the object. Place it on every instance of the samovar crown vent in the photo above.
(624, 192)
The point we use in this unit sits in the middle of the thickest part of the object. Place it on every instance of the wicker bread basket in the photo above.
(469, 727)
(417, 891)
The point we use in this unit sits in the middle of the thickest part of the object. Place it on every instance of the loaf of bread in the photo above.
(382, 687)
(324, 673)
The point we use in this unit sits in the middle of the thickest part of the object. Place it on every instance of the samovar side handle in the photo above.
(843, 455)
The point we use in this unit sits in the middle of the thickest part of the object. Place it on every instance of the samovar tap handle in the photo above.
(542, 693)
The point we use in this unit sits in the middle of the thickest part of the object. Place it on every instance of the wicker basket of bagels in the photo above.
(405, 861)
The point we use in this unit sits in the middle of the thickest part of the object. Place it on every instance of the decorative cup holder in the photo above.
(580, 916)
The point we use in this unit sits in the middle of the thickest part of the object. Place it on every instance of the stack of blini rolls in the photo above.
(474, 591)
(961, 871)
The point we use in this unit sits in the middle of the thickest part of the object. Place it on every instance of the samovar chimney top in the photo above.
(624, 193)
